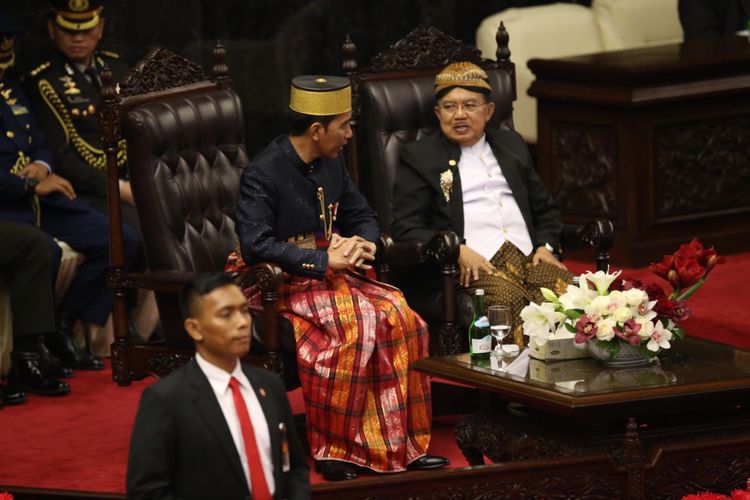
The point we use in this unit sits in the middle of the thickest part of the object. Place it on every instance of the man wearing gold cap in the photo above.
(355, 338)
(481, 184)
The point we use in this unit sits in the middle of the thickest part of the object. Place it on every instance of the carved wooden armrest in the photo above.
(268, 277)
(598, 234)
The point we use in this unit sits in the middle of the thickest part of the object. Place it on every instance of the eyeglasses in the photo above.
(451, 108)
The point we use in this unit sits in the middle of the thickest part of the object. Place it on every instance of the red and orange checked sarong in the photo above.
(356, 339)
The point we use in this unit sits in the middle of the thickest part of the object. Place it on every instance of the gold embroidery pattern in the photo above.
(91, 155)
(332, 210)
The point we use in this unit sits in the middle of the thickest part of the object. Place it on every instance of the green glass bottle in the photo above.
(480, 339)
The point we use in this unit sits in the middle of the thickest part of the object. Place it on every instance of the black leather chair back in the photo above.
(397, 109)
(186, 157)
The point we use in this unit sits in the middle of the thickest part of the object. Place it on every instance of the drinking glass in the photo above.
(500, 323)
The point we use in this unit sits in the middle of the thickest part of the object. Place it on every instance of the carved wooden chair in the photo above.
(185, 147)
(393, 105)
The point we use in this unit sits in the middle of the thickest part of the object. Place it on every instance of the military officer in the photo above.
(65, 93)
(32, 193)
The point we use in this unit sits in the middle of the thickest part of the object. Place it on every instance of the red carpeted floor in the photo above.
(79, 442)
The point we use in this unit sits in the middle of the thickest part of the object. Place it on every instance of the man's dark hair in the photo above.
(199, 286)
(298, 123)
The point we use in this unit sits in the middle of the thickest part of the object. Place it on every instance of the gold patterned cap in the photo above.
(318, 95)
(462, 74)
(77, 15)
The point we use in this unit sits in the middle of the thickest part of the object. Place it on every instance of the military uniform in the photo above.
(72, 221)
(66, 101)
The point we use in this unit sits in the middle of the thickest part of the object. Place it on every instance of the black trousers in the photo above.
(29, 265)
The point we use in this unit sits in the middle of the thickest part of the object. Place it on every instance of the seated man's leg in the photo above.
(29, 260)
(518, 282)
(88, 297)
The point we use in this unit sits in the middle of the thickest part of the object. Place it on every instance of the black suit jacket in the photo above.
(711, 18)
(182, 447)
(419, 206)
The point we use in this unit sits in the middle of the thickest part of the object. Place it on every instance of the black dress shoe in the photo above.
(428, 462)
(336, 470)
(11, 395)
(50, 364)
(25, 372)
(62, 346)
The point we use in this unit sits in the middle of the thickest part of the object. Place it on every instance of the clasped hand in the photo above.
(350, 253)
(48, 183)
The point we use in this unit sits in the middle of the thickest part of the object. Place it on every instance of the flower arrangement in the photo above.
(610, 310)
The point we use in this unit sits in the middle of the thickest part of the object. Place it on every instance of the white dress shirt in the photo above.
(491, 214)
(219, 380)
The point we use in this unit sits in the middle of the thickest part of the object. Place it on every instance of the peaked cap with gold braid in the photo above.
(318, 95)
(77, 15)
(8, 31)
(462, 74)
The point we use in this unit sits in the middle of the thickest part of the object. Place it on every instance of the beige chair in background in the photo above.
(564, 29)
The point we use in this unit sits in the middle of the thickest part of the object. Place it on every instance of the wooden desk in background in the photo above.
(655, 139)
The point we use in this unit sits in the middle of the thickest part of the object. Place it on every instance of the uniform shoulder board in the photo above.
(110, 54)
(39, 69)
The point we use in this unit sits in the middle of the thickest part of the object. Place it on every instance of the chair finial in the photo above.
(220, 70)
(502, 38)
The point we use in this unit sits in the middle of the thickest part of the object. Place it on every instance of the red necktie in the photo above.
(257, 476)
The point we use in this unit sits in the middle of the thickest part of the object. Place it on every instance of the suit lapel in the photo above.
(205, 402)
(509, 166)
(271, 411)
(450, 160)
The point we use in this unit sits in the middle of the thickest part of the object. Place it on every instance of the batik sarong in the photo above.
(517, 282)
(356, 339)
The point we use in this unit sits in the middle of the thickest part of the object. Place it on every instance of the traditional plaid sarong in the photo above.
(355, 340)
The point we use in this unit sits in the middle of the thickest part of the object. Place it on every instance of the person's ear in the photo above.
(51, 29)
(436, 109)
(192, 327)
(315, 131)
(100, 28)
(490, 110)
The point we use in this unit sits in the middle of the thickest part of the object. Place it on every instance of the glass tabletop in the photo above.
(690, 366)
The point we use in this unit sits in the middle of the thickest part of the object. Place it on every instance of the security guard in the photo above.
(65, 94)
(32, 193)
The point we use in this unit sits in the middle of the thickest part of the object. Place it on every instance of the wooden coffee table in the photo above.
(697, 390)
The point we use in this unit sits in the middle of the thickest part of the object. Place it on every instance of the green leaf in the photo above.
(574, 313)
(569, 327)
(678, 332)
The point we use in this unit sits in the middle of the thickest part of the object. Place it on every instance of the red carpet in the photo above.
(79, 442)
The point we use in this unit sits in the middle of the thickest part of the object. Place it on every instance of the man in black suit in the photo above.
(712, 18)
(481, 184)
(216, 428)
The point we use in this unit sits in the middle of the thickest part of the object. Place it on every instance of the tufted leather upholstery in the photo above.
(400, 110)
(186, 156)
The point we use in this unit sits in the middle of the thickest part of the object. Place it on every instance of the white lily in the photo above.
(539, 321)
(577, 297)
(600, 280)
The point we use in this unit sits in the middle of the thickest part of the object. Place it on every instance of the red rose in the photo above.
(689, 271)
(662, 268)
(655, 292)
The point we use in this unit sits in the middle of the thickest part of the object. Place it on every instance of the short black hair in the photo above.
(298, 123)
(201, 285)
